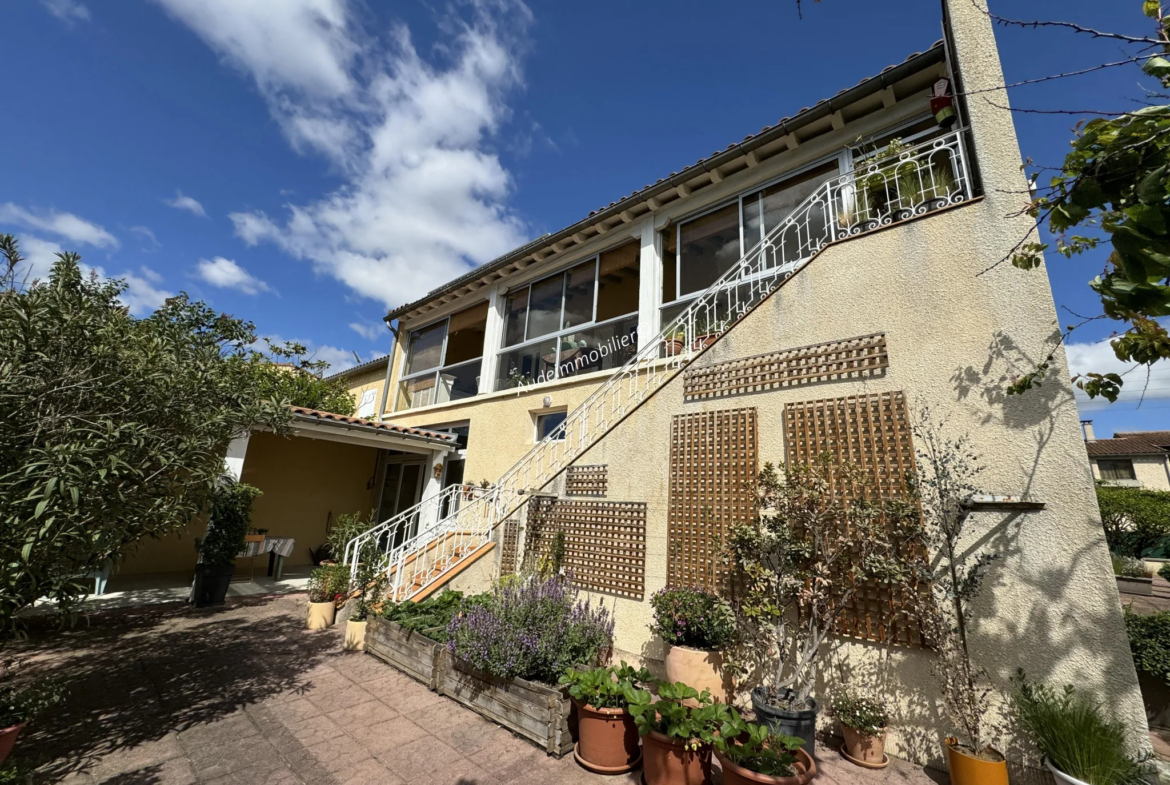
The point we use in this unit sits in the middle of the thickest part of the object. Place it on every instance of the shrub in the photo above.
(865, 715)
(1149, 640)
(1136, 520)
(21, 704)
(1071, 731)
(1164, 571)
(692, 617)
(605, 688)
(697, 725)
(231, 515)
(328, 583)
(532, 631)
(1127, 567)
(431, 616)
(345, 528)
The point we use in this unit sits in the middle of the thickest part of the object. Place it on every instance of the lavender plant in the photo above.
(533, 630)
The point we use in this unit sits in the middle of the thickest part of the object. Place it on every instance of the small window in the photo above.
(547, 423)
(1116, 469)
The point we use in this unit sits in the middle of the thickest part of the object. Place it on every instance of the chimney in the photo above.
(1087, 429)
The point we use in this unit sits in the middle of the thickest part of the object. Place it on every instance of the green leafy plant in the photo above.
(1149, 640)
(21, 704)
(866, 715)
(228, 523)
(347, 526)
(756, 748)
(1073, 732)
(1127, 566)
(369, 581)
(14, 774)
(692, 617)
(668, 715)
(296, 379)
(605, 687)
(1164, 571)
(431, 616)
(328, 583)
(1136, 520)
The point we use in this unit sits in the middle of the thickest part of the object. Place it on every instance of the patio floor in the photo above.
(167, 695)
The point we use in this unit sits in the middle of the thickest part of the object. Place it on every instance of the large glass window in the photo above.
(580, 320)
(708, 247)
(444, 360)
(1116, 469)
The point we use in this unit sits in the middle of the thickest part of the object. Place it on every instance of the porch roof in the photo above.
(355, 430)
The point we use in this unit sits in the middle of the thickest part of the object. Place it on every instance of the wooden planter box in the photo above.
(1143, 586)
(410, 652)
(532, 710)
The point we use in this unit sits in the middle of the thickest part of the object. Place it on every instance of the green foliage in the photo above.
(1136, 520)
(605, 688)
(668, 715)
(296, 379)
(347, 526)
(431, 616)
(865, 715)
(1164, 571)
(1127, 566)
(1149, 640)
(115, 428)
(328, 583)
(12, 773)
(228, 523)
(692, 617)
(756, 748)
(21, 704)
(1073, 732)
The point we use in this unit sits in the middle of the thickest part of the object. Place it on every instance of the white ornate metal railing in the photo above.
(894, 185)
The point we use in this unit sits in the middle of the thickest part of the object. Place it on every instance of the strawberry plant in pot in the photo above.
(749, 753)
(863, 721)
(695, 625)
(676, 738)
(823, 533)
(607, 735)
(327, 584)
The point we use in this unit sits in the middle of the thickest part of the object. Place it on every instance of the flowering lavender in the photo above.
(533, 630)
(692, 617)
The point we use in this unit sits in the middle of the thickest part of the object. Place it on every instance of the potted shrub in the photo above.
(695, 625)
(370, 583)
(800, 564)
(606, 732)
(326, 585)
(18, 705)
(227, 525)
(676, 738)
(863, 723)
(1079, 744)
(749, 753)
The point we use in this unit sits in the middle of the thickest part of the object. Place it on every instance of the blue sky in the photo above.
(307, 163)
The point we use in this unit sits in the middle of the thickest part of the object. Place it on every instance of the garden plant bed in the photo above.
(410, 652)
(1142, 586)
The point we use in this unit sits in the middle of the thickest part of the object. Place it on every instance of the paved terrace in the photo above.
(167, 695)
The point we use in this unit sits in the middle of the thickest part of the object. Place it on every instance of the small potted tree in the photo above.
(695, 625)
(327, 584)
(18, 705)
(370, 583)
(751, 753)
(227, 525)
(863, 721)
(606, 731)
(676, 738)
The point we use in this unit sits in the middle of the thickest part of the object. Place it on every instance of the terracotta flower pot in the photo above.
(7, 739)
(805, 766)
(355, 636)
(866, 751)
(607, 740)
(321, 615)
(666, 761)
(697, 668)
(966, 769)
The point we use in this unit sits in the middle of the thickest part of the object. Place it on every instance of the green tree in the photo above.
(1136, 520)
(114, 428)
(294, 378)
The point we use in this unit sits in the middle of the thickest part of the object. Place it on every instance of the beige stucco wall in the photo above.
(358, 383)
(303, 480)
(1152, 472)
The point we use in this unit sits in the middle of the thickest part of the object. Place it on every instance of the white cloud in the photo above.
(39, 256)
(338, 359)
(66, 225)
(226, 274)
(68, 11)
(424, 197)
(150, 275)
(181, 202)
(371, 332)
(141, 295)
(149, 243)
(1140, 384)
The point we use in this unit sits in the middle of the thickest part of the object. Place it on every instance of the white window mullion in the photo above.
(493, 339)
(650, 286)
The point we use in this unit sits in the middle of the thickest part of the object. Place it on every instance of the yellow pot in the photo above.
(698, 668)
(968, 770)
(355, 636)
(321, 615)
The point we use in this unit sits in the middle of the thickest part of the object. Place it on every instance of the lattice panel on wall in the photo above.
(587, 480)
(605, 542)
(852, 358)
(873, 433)
(511, 540)
(713, 466)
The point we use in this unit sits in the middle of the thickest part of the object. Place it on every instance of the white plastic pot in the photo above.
(1062, 778)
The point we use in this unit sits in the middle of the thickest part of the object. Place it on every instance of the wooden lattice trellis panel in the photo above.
(590, 480)
(713, 465)
(873, 433)
(511, 539)
(852, 358)
(605, 542)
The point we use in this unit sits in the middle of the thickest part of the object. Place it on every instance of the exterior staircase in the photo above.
(423, 547)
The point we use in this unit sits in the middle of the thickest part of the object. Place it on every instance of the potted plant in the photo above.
(607, 735)
(1079, 744)
(326, 585)
(227, 525)
(370, 584)
(676, 738)
(749, 753)
(863, 723)
(800, 564)
(18, 705)
(695, 625)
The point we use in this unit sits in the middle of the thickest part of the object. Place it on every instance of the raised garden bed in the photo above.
(410, 652)
(1143, 586)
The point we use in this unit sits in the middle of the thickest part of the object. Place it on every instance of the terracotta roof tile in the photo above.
(1131, 443)
(385, 426)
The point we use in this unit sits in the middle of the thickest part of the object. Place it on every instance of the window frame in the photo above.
(404, 377)
(563, 411)
(1129, 461)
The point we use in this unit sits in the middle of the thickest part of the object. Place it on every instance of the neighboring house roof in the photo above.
(359, 368)
(1130, 443)
(787, 125)
(342, 421)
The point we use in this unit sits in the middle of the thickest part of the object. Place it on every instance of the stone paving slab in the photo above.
(170, 695)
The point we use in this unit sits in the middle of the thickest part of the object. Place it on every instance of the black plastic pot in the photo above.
(211, 583)
(801, 724)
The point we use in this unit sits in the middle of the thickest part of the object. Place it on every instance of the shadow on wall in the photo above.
(135, 676)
